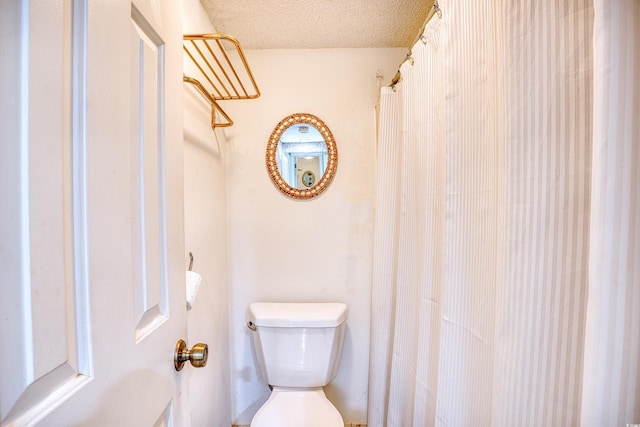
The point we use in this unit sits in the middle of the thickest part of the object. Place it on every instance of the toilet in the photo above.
(297, 348)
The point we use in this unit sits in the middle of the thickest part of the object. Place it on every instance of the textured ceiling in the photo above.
(307, 24)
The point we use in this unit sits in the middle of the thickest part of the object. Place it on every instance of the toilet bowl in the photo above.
(297, 348)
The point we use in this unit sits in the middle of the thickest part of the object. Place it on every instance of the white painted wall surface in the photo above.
(206, 237)
(318, 250)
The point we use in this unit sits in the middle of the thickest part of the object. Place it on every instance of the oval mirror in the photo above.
(302, 156)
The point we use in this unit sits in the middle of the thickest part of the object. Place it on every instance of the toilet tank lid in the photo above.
(298, 315)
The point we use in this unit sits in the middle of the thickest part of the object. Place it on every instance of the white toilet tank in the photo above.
(298, 344)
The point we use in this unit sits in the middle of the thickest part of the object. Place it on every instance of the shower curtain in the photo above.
(506, 281)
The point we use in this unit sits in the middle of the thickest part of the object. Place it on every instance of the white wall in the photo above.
(206, 237)
(319, 250)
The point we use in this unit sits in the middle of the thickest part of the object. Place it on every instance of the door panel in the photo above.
(92, 249)
(44, 337)
(147, 168)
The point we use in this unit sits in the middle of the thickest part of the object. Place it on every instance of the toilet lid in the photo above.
(297, 408)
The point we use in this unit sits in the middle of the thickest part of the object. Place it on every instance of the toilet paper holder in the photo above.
(193, 281)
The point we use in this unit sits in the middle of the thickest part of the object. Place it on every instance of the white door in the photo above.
(92, 296)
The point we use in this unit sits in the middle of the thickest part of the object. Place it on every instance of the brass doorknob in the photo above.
(198, 355)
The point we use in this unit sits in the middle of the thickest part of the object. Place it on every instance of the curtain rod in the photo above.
(434, 10)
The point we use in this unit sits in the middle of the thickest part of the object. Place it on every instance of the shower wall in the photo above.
(319, 250)
(205, 212)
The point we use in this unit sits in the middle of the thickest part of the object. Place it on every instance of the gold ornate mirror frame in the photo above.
(332, 157)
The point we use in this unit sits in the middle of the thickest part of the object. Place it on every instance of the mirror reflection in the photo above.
(302, 156)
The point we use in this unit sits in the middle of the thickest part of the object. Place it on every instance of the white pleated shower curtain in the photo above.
(506, 282)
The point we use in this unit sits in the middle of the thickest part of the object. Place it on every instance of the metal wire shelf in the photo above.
(220, 72)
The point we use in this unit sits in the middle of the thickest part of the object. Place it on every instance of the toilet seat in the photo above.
(297, 408)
